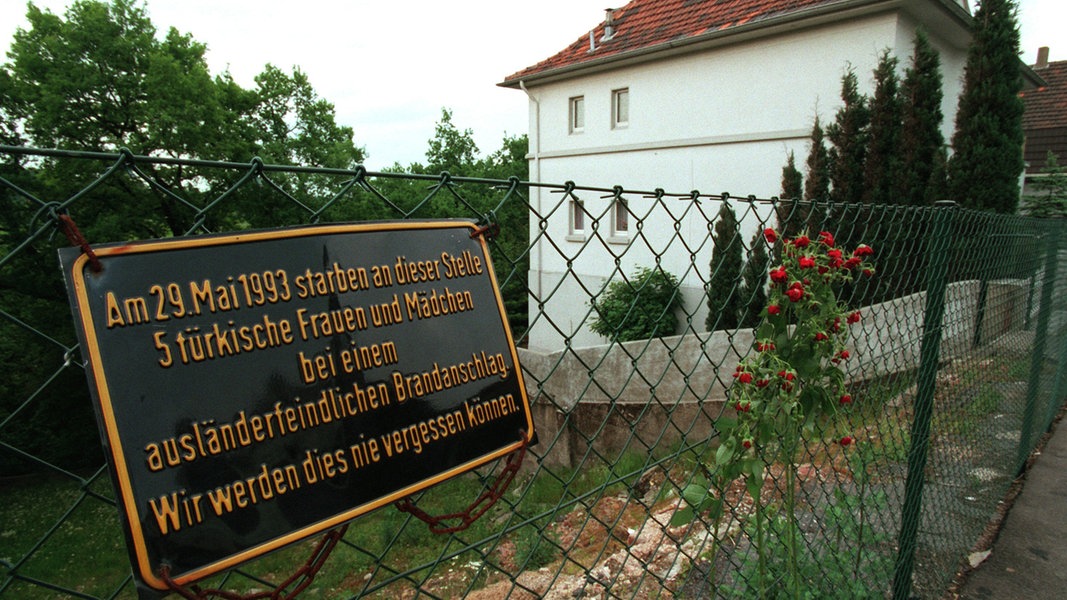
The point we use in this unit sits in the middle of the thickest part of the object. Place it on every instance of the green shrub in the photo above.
(638, 308)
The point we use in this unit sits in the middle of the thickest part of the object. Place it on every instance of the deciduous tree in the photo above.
(102, 78)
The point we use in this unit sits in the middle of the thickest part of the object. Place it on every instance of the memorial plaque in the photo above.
(258, 388)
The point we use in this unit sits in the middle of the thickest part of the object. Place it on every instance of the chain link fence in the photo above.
(630, 323)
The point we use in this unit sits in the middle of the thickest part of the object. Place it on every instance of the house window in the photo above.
(620, 218)
(577, 114)
(577, 213)
(620, 108)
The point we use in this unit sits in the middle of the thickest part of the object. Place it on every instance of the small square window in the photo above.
(577, 217)
(620, 108)
(577, 114)
(620, 218)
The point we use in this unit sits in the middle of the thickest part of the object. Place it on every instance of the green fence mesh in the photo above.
(632, 310)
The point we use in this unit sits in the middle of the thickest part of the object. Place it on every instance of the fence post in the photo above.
(1040, 343)
(1059, 388)
(938, 246)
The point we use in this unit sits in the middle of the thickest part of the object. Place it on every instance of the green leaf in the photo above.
(715, 510)
(725, 453)
(754, 468)
(812, 397)
(754, 485)
(781, 339)
(725, 425)
(695, 495)
(683, 516)
(765, 330)
(765, 431)
(807, 363)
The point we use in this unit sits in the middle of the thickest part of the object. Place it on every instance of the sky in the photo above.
(390, 67)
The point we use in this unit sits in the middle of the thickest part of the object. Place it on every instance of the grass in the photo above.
(54, 531)
(86, 551)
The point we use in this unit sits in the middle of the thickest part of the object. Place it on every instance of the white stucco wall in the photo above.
(722, 120)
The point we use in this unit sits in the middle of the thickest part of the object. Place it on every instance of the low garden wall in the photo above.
(647, 393)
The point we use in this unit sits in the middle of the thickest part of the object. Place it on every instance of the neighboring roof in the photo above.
(646, 26)
(1046, 106)
(1045, 117)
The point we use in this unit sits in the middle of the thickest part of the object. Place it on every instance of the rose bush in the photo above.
(791, 379)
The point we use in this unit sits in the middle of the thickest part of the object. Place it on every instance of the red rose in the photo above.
(795, 292)
(843, 354)
(779, 275)
(820, 336)
(834, 253)
(846, 399)
(868, 272)
(854, 317)
(770, 235)
(863, 250)
(801, 241)
(747, 444)
(762, 383)
(807, 262)
(745, 377)
(853, 262)
(774, 309)
(845, 441)
(787, 375)
(827, 238)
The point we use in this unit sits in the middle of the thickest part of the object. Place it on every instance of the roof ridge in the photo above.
(643, 25)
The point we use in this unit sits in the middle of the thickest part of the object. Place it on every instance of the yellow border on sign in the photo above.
(107, 410)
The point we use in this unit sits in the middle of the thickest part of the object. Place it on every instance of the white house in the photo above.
(707, 95)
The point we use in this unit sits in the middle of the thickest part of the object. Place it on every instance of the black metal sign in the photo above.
(258, 388)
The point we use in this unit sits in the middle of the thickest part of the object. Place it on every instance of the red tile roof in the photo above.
(1045, 117)
(1046, 106)
(644, 24)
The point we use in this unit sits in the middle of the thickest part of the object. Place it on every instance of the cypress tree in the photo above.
(923, 145)
(792, 213)
(1051, 198)
(792, 179)
(753, 288)
(725, 302)
(848, 142)
(817, 185)
(882, 165)
(987, 161)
